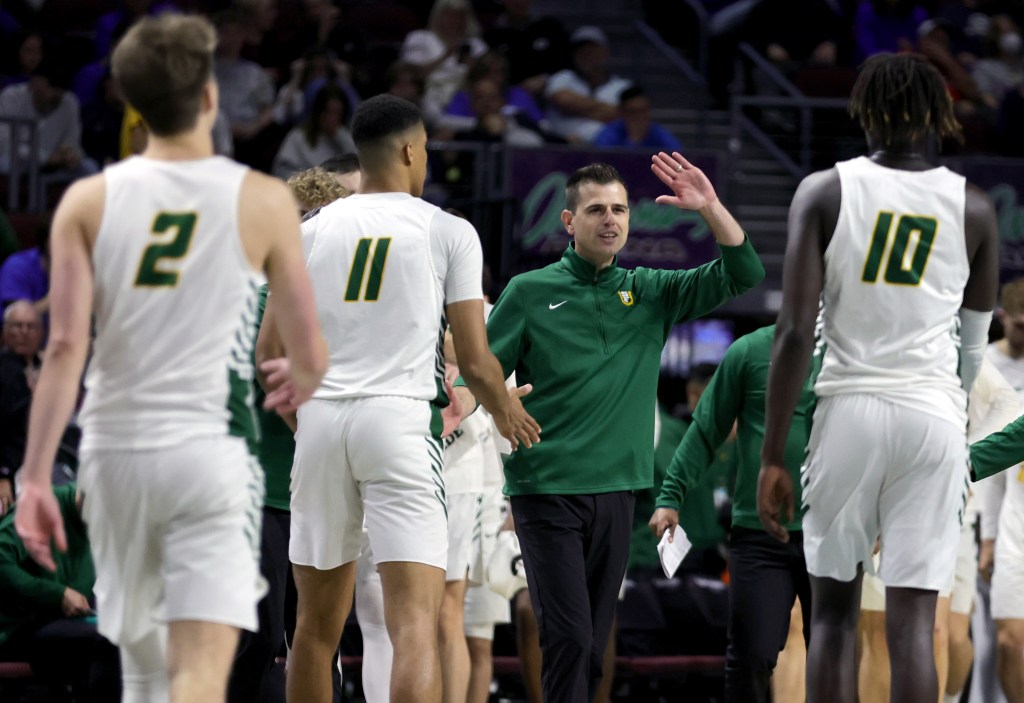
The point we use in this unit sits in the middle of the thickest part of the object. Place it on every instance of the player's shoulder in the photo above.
(84, 200)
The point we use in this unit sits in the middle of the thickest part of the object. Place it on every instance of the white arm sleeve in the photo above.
(990, 497)
(458, 257)
(973, 340)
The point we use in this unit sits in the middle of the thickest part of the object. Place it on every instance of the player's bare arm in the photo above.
(692, 190)
(270, 224)
(812, 219)
(482, 373)
(75, 225)
(982, 230)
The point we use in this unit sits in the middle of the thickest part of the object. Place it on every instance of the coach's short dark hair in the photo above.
(383, 116)
(601, 174)
(346, 163)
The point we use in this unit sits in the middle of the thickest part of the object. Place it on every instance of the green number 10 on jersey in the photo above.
(358, 270)
(906, 264)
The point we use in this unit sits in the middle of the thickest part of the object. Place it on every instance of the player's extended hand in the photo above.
(987, 559)
(664, 519)
(287, 394)
(38, 522)
(519, 426)
(775, 500)
(452, 415)
(690, 187)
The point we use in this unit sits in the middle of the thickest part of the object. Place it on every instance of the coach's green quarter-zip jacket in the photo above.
(590, 343)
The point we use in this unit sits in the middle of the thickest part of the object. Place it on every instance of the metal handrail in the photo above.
(703, 32)
(746, 50)
(19, 164)
(670, 54)
(791, 98)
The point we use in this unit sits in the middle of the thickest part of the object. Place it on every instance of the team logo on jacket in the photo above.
(626, 296)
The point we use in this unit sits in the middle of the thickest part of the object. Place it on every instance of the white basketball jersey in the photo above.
(175, 307)
(383, 266)
(895, 273)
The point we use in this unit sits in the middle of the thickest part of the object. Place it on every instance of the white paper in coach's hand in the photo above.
(672, 553)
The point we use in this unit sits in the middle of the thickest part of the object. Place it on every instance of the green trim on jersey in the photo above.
(441, 399)
(241, 405)
(435, 450)
(277, 445)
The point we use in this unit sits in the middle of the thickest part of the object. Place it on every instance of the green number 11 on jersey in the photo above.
(906, 264)
(358, 270)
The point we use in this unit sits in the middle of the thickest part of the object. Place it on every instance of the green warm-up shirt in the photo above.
(590, 342)
(29, 594)
(277, 444)
(736, 393)
(999, 451)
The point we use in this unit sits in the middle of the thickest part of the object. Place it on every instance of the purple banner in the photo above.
(660, 236)
(1003, 180)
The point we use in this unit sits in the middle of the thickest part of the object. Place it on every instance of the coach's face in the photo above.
(600, 224)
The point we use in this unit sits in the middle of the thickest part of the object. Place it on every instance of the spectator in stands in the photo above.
(490, 120)
(25, 275)
(1003, 70)
(45, 98)
(886, 25)
(26, 59)
(317, 68)
(19, 370)
(806, 52)
(515, 99)
(534, 46)
(102, 120)
(444, 52)
(346, 170)
(586, 96)
(112, 25)
(634, 126)
(935, 42)
(8, 238)
(48, 619)
(320, 137)
(246, 92)
(405, 81)
(9, 26)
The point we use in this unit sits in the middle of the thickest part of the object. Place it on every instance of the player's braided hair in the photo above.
(899, 98)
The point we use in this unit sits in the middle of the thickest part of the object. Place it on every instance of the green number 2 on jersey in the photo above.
(905, 268)
(358, 270)
(151, 273)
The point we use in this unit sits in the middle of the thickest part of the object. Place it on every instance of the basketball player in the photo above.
(168, 249)
(369, 445)
(896, 250)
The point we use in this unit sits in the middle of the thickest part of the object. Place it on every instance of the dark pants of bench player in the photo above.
(575, 550)
(766, 576)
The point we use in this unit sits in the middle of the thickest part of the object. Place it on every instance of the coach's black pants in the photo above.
(257, 650)
(575, 550)
(72, 650)
(765, 578)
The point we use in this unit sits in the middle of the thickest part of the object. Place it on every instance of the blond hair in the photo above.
(315, 188)
(163, 64)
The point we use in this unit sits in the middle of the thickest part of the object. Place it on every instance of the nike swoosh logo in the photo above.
(557, 305)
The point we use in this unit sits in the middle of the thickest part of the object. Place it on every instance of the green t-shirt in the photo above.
(699, 517)
(736, 394)
(276, 450)
(590, 342)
